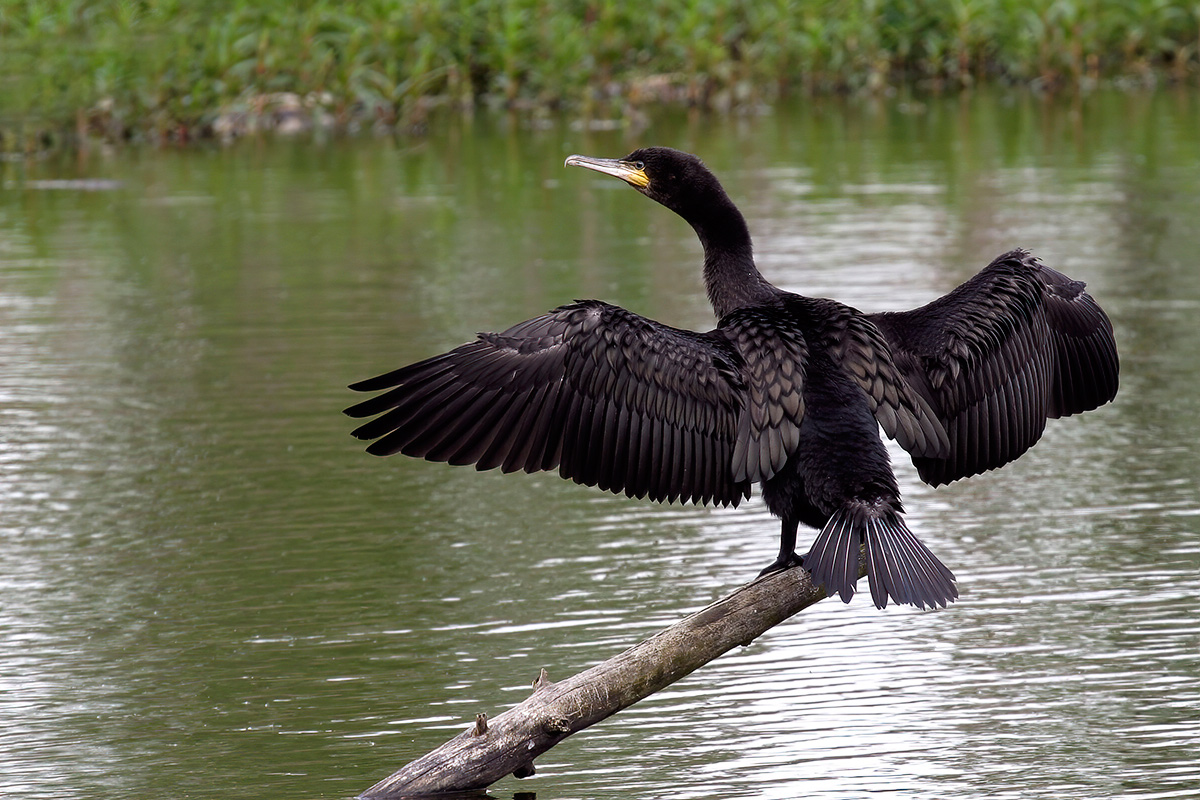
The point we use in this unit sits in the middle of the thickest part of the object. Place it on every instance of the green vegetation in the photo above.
(164, 68)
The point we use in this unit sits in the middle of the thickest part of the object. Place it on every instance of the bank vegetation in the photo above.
(186, 69)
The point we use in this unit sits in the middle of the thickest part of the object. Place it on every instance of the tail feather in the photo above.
(899, 565)
(833, 559)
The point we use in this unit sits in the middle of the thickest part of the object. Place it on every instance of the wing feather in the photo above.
(521, 452)
(862, 350)
(774, 355)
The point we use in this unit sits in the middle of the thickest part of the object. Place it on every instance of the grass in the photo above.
(178, 69)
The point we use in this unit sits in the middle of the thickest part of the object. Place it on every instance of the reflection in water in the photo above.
(209, 589)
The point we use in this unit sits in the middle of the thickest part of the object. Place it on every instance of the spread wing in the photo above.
(609, 398)
(995, 358)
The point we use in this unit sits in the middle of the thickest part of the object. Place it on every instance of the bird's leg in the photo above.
(787, 549)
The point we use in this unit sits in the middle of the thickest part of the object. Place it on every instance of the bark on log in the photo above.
(508, 743)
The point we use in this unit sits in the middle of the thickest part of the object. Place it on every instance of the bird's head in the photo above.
(678, 180)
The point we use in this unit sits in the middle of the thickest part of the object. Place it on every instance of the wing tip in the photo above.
(385, 381)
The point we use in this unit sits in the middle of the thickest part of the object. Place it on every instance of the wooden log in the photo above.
(509, 742)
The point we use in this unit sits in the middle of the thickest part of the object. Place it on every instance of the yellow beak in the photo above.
(625, 170)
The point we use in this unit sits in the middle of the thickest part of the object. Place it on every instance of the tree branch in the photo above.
(509, 742)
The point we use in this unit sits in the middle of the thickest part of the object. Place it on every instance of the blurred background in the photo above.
(209, 589)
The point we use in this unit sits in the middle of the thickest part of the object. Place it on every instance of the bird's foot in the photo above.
(783, 562)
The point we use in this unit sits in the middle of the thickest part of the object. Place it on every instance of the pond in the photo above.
(210, 590)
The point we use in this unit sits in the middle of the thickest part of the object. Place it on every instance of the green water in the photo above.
(209, 590)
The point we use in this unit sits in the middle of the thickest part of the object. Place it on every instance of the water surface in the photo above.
(209, 590)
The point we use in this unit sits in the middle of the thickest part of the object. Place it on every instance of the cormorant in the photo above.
(788, 392)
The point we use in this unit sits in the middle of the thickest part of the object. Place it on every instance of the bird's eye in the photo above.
(639, 165)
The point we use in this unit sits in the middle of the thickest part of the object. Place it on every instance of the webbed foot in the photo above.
(783, 562)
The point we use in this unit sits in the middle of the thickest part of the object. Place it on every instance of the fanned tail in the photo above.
(899, 565)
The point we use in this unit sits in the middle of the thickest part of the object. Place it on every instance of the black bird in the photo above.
(788, 392)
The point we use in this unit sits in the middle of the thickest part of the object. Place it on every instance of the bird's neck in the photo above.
(730, 276)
